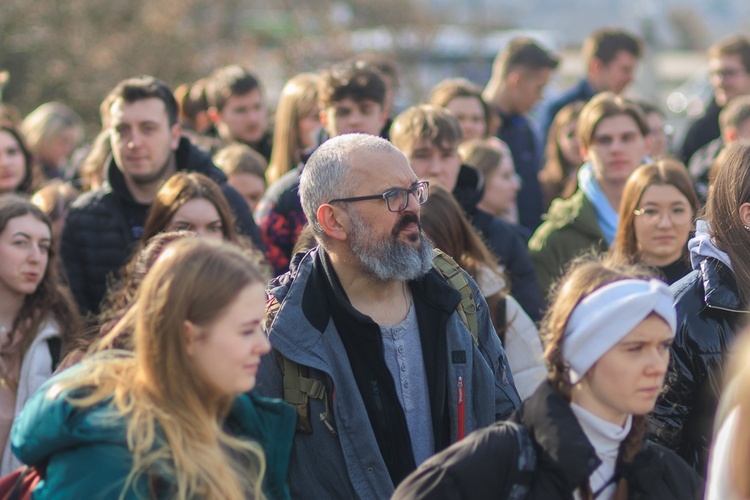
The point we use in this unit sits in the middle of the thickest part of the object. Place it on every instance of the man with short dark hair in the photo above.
(104, 226)
(429, 137)
(729, 66)
(519, 74)
(237, 109)
(611, 56)
(397, 375)
(351, 99)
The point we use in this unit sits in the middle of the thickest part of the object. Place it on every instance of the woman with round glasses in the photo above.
(656, 218)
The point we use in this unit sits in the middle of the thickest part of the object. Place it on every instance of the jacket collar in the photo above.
(313, 272)
(555, 429)
(720, 286)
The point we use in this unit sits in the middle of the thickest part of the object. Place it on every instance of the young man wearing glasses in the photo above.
(394, 373)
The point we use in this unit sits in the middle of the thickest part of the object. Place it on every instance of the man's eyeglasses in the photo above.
(396, 199)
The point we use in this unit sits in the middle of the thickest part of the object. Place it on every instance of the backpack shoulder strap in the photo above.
(454, 275)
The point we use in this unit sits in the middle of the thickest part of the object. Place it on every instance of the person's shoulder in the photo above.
(50, 422)
(674, 469)
(92, 200)
(480, 466)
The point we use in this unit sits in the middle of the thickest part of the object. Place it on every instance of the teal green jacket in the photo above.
(570, 230)
(87, 456)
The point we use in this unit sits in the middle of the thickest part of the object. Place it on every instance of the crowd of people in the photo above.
(451, 301)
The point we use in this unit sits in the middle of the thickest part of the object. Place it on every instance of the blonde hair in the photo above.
(739, 375)
(159, 391)
(298, 99)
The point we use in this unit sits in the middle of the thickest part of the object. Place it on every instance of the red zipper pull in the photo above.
(461, 410)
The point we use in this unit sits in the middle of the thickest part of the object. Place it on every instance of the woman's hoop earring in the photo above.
(746, 227)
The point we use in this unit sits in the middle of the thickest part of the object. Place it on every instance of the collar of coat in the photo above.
(720, 286)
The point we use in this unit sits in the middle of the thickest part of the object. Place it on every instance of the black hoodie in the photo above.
(103, 227)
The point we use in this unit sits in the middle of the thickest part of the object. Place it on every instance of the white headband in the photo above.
(606, 316)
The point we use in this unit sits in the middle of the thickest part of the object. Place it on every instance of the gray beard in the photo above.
(389, 259)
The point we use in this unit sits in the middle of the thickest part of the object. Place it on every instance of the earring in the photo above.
(746, 227)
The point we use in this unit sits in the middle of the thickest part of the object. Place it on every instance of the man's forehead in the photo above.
(349, 102)
(617, 124)
(149, 109)
(425, 143)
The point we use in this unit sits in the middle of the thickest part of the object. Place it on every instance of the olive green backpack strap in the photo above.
(299, 387)
(454, 275)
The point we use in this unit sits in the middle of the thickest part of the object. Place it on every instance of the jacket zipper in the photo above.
(461, 409)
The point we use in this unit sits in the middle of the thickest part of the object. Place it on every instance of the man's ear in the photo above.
(333, 221)
(515, 78)
(595, 66)
(176, 134)
(730, 135)
(191, 332)
(213, 114)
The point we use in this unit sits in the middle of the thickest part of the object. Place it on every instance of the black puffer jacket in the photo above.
(485, 465)
(709, 315)
(103, 226)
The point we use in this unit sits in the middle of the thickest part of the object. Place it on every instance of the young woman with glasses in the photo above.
(656, 219)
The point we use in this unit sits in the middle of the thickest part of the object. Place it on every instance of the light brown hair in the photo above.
(584, 276)
(451, 88)
(178, 190)
(49, 300)
(558, 177)
(297, 100)
(159, 391)
(425, 122)
(606, 105)
(664, 172)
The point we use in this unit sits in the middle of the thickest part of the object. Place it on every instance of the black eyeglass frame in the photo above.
(392, 193)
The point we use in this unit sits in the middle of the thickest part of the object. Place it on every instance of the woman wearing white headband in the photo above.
(581, 434)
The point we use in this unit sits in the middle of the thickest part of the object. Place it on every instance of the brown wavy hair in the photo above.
(32, 177)
(49, 300)
(664, 172)
(586, 275)
(730, 189)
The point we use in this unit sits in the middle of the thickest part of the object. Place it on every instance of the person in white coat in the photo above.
(37, 317)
